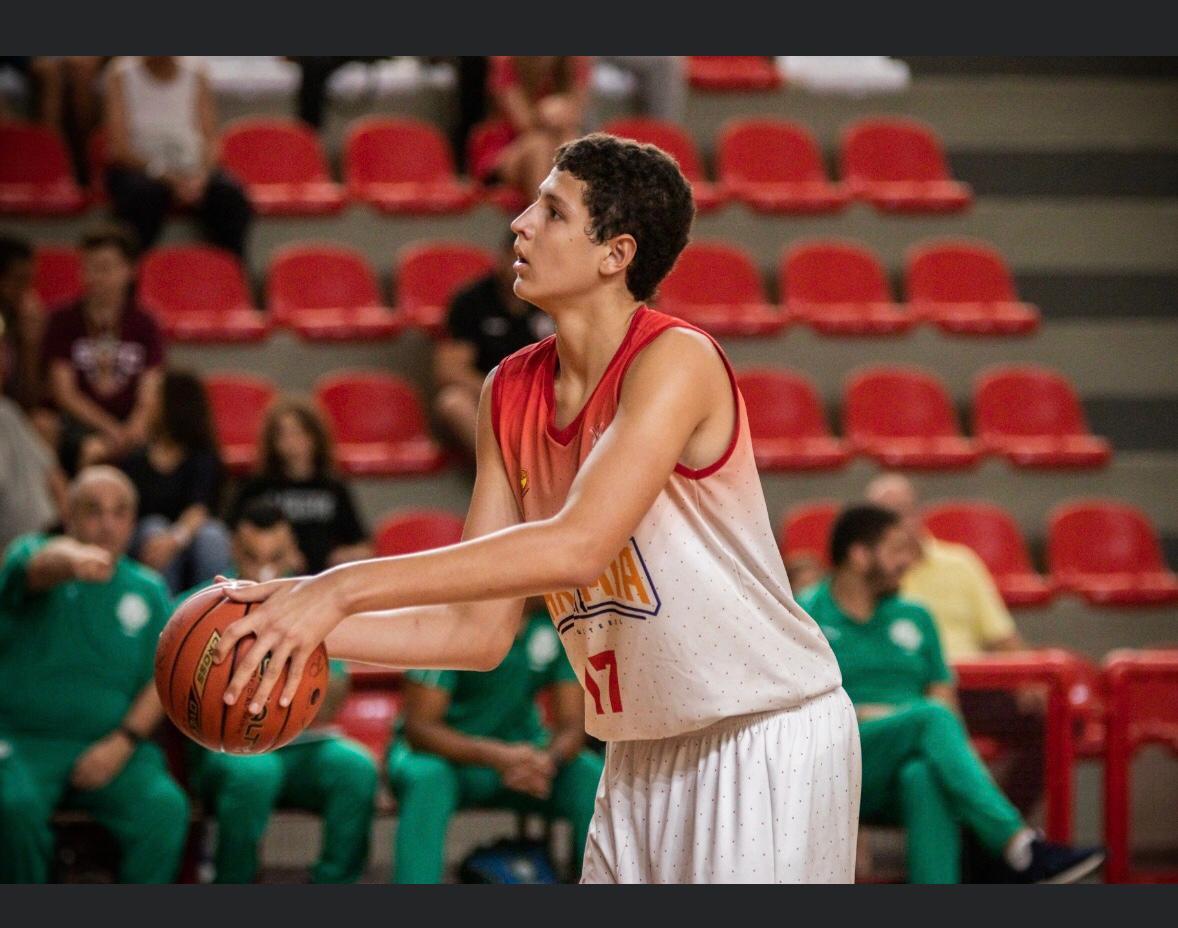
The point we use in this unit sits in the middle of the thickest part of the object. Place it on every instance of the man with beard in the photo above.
(919, 768)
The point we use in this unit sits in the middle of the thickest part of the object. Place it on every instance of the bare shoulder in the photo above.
(681, 355)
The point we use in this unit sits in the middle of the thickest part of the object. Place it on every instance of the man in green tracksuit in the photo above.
(320, 771)
(476, 739)
(919, 768)
(78, 628)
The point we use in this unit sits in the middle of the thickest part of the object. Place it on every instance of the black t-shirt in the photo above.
(478, 315)
(320, 511)
(196, 480)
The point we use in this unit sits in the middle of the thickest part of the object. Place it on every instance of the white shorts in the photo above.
(766, 798)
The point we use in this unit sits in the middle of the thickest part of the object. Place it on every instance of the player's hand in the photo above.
(293, 617)
(91, 563)
(101, 762)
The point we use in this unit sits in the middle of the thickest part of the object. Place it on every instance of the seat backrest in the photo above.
(273, 151)
(807, 528)
(371, 407)
(832, 272)
(892, 150)
(238, 403)
(57, 274)
(186, 278)
(32, 154)
(957, 272)
(760, 150)
(319, 277)
(368, 716)
(415, 530)
(429, 274)
(712, 273)
(781, 404)
(1026, 400)
(1102, 536)
(898, 402)
(988, 529)
(666, 135)
(396, 151)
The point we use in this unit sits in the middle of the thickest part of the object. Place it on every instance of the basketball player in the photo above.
(616, 476)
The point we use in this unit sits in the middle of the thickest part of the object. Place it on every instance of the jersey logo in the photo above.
(523, 483)
(133, 613)
(624, 589)
(904, 633)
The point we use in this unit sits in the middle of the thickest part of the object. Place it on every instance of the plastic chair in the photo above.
(429, 274)
(966, 288)
(898, 166)
(776, 167)
(283, 167)
(199, 294)
(403, 166)
(35, 174)
(718, 287)
(787, 422)
(239, 404)
(840, 288)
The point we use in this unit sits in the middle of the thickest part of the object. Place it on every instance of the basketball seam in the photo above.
(232, 668)
(180, 648)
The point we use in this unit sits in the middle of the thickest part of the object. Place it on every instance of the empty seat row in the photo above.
(327, 291)
(1103, 550)
(405, 166)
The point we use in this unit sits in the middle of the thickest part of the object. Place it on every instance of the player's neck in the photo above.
(588, 335)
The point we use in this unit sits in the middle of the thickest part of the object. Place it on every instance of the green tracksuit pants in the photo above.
(921, 772)
(143, 807)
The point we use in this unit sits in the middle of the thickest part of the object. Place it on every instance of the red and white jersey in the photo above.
(693, 621)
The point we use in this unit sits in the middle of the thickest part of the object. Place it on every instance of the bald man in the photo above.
(953, 583)
(78, 629)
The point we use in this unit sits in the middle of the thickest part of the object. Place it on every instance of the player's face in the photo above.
(103, 515)
(556, 259)
(891, 558)
(263, 554)
(106, 272)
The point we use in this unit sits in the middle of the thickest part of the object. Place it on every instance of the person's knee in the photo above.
(426, 775)
(936, 716)
(916, 778)
(165, 805)
(355, 774)
(244, 788)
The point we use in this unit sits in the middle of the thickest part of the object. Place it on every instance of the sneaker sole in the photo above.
(1078, 871)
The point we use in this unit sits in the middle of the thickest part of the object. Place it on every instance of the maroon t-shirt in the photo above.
(107, 366)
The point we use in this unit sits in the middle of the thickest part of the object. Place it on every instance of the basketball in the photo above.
(191, 687)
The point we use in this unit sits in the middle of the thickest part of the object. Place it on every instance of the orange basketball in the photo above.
(191, 686)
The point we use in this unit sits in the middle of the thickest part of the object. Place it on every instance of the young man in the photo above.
(616, 475)
(919, 769)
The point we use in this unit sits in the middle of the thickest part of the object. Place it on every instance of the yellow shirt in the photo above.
(954, 585)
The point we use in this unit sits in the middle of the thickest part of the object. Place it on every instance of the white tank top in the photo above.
(162, 118)
(694, 621)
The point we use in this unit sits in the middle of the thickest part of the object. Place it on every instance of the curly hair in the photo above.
(635, 189)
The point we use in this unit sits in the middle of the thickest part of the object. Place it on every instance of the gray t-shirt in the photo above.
(25, 465)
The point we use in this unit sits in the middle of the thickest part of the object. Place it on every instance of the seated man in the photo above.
(919, 768)
(953, 584)
(320, 771)
(476, 739)
(486, 323)
(78, 627)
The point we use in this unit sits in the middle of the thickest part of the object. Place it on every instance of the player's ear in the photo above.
(622, 249)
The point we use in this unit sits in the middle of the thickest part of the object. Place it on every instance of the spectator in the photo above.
(161, 136)
(78, 627)
(45, 78)
(296, 476)
(22, 325)
(486, 322)
(314, 73)
(952, 582)
(660, 82)
(541, 99)
(470, 738)
(178, 476)
(320, 771)
(103, 356)
(919, 768)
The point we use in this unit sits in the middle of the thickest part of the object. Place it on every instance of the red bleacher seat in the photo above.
(904, 418)
(1141, 709)
(484, 138)
(1033, 416)
(427, 275)
(776, 166)
(403, 166)
(732, 72)
(966, 289)
(239, 404)
(898, 165)
(994, 535)
(282, 165)
(35, 173)
(840, 288)
(367, 716)
(412, 530)
(787, 422)
(1109, 553)
(199, 294)
(805, 528)
(327, 292)
(57, 274)
(378, 423)
(718, 287)
(678, 144)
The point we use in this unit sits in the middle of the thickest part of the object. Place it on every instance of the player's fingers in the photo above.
(298, 661)
(233, 633)
(246, 591)
(247, 664)
(276, 661)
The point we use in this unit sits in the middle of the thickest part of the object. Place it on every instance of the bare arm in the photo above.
(945, 693)
(64, 559)
(454, 365)
(206, 110)
(426, 729)
(568, 730)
